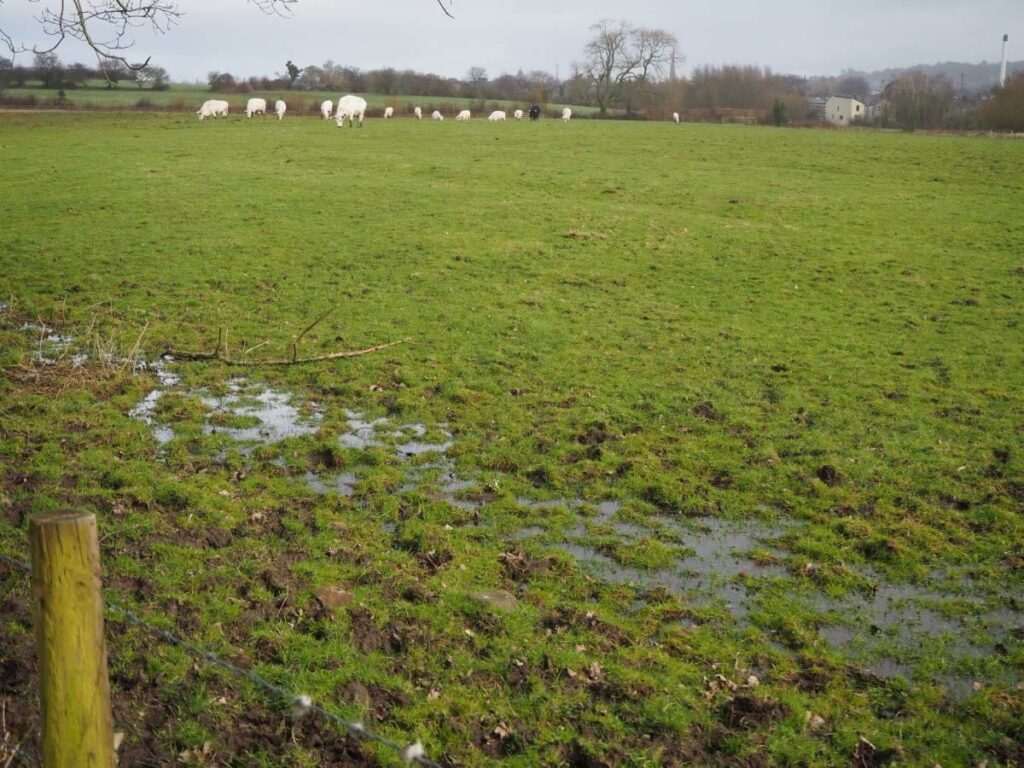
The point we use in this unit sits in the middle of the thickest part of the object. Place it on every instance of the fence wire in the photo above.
(301, 704)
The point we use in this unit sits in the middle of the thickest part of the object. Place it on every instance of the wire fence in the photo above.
(301, 704)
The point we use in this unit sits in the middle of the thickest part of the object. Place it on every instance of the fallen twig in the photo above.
(223, 358)
(307, 329)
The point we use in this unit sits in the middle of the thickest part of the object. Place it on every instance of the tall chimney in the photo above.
(1002, 70)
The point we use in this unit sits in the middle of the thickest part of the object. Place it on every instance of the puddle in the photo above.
(564, 504)
(890, 630)
(715, 568)
(628, 533)
(272, 416)
(52, 347)
(343, 483)
(146, 410)
(895, 626)
(408, 439)
(362, 433)
(277, 418)
(529, 532)
(417, 448)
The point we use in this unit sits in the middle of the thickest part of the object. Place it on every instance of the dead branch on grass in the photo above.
(221, 354)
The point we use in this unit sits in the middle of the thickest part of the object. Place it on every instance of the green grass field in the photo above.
(192, 96)
(768, 383)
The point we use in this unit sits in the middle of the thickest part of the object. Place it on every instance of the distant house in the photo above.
(816, 107)
(844, 110)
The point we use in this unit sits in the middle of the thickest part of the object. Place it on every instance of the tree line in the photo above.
(536, 86)
(625, 70)
(51, 72)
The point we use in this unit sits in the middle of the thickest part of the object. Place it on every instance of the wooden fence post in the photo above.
(74, 690)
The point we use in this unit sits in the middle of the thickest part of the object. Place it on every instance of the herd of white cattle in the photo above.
(351, 108)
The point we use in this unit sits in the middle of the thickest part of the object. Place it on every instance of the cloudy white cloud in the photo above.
(799, 36)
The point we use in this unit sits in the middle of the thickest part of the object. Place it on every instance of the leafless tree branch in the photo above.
(446, 11)
(105, 25)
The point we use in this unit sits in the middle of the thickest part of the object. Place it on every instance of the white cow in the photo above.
(352, 108)
(256, 107)
(213, 108)
(496, 115)
(518, 114)
(389, 112)
(463, 115)
(280, 108)
(327, 109)
(435, 115)
(675, 117)
(566, 115)
(418, 112)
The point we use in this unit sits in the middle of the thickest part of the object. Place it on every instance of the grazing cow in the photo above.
(566, 115)
(435, 115)
(327, 109)
(675, 117)
(496, 115)
(280, 108)
(256, 107)
(518, 114)
(535, 112)
(418, 112)
(213, 108)
(351, 108)
(463, 115)
(388, 112)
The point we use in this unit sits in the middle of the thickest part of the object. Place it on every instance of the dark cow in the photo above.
(535, 112)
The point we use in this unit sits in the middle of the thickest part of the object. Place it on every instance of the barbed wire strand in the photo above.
(302, 704)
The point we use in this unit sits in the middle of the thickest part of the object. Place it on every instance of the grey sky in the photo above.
(797, 36)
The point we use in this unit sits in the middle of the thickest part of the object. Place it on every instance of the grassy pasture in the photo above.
(815, 332)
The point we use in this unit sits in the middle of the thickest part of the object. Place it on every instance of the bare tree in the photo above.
(606, 60)
(114, 71)
(853, 84)
(621, 60)
(917, 100)
(106, 26)
(155, 75)
(653, 50)
(49, 69)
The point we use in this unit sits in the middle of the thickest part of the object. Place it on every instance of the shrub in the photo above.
(779, 116)
(1005, 110)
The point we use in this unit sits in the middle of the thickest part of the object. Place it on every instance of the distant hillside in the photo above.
(977, 77)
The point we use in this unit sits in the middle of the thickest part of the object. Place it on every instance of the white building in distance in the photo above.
(844, 110)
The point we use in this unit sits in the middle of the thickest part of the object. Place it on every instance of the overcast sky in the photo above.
(794, 36)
